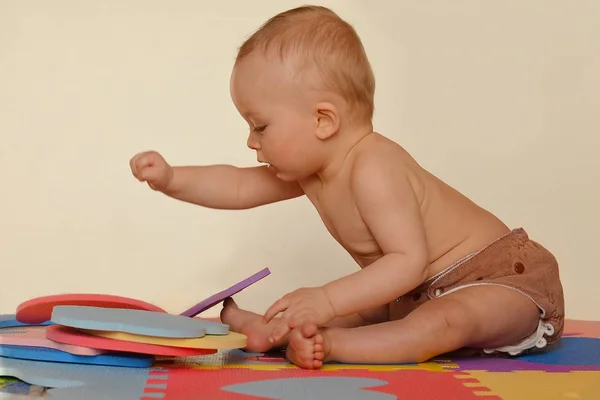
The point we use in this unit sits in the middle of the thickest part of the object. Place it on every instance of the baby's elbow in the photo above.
(415, 264)
(418, 260)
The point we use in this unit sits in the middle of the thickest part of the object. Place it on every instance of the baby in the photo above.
(437, 272)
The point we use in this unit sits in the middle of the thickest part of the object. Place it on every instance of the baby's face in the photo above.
(281, 117)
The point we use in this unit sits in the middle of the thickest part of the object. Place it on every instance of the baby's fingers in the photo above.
(134, 167)
(277, 307)
(279, 331)
(301, 318)
(138, 163)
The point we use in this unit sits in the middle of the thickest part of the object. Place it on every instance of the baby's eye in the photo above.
(259, 128)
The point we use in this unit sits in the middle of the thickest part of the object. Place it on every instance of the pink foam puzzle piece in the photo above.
(67, 335)
(40, 309)
(35, 336)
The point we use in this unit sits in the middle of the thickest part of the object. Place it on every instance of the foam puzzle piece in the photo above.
(230, 291)
(580, 352)
(52, 355)
(232, 340)
(35, 336)
(77, 381)
(66, 335)
(39, 309)
(442, 378)
(312, 388)
(10, 321)
(526, 385)
(569, 355)
(133, 321)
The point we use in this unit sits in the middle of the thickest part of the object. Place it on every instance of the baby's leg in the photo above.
(251, 325)
(476, 317)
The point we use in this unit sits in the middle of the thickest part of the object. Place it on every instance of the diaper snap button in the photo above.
(438, 292)
(549, 329)
(519, 267)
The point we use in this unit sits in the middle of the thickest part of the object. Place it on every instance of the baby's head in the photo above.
(305, 86)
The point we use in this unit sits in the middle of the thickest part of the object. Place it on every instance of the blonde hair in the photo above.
(318, 37)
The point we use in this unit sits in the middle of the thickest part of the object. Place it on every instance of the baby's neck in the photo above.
(340, 148)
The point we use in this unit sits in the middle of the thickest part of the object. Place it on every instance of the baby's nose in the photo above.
(252, 142)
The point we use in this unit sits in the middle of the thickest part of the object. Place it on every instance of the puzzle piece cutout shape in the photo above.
(52, 355)
(35, 336)
(39, 310)
(135, 321)
(312, 388)
(66, 335)
(232, 340)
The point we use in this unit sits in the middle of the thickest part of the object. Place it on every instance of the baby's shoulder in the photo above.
(379, 152)
(378, 159)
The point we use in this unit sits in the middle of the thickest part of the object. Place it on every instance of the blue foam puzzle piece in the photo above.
(297, 388)
(53, 355)
(580, 351)
(78, 381)
(10, 321)
(138, 322)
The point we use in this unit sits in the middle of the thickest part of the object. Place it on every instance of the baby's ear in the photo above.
(327, 119)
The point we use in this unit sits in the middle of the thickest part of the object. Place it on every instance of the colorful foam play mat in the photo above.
(570, 371)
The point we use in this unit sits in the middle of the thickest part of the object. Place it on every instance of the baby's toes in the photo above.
(318, 339)
(309, 330)
(301, 349)
(319, 356)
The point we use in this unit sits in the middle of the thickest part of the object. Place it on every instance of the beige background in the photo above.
(499, 99)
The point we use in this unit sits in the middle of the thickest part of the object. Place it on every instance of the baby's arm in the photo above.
(229, 187)
(388, 205)
(213, 186)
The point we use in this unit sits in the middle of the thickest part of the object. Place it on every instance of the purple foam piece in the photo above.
(219, 297)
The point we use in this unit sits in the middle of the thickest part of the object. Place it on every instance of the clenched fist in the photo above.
(151, 167)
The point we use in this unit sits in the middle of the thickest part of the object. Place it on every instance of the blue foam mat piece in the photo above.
(53, 355)
(575, 351)
(78, 381)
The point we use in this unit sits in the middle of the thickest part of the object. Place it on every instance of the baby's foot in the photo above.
(308, 346)
(249, 324)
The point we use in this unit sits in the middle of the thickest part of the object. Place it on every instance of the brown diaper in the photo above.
(513, 261)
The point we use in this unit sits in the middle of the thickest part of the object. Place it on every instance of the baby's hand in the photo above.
(306, 305)
(152, 168)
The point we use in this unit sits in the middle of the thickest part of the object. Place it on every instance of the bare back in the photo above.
(454, 225)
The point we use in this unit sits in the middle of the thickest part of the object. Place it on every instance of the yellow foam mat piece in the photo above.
(232, 340)
(240, 360)
(540, 385)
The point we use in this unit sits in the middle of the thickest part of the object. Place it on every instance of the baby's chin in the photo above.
(282, 175)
